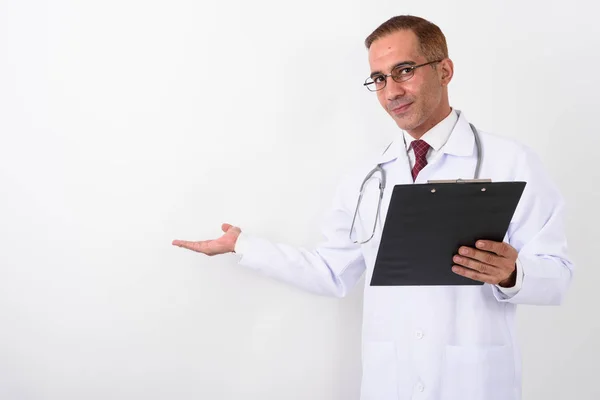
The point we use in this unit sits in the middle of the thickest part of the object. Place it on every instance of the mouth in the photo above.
(401, 109)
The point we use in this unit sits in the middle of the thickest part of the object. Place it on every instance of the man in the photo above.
(429, 342)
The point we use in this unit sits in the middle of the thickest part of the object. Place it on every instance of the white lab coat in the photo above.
(435, 343)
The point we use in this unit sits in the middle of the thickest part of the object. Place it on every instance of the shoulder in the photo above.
(358, 171)
(364, 164)
(519, 161)
(503, 144)
(515, 154)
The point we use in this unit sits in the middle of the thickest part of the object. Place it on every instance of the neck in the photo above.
(435, 119)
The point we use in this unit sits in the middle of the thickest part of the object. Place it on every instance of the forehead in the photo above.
(391, 49)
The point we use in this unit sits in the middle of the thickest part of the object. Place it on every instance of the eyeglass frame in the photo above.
(401, 66)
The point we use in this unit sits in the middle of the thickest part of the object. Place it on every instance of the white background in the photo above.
(126, 124)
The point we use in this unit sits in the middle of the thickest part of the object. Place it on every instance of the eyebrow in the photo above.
(395, 66)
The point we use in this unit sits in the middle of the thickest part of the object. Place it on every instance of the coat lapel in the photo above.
(461, 141)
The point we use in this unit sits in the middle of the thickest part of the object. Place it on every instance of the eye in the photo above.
(378, 79)
(404, 71)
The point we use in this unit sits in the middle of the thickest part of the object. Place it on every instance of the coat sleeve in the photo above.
(332, 268)
(537, 232)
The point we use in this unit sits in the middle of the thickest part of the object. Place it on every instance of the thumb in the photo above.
(226, 227)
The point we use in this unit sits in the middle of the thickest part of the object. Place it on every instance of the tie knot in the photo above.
(420, 147)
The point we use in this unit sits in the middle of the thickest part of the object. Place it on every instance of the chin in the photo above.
(406, 122)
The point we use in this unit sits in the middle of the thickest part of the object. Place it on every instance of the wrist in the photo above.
(237, 246)
(511, 281)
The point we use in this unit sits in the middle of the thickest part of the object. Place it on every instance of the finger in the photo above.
(195, 246)
(485, 257)
(469, 273)
(475, 265)
(502, 249)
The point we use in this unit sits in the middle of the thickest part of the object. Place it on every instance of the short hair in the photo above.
(432, 42)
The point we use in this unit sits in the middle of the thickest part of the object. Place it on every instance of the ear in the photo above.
(446, 71)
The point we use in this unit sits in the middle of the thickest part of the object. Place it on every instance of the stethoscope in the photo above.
(382, 182)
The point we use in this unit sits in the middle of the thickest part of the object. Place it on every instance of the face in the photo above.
(421, 102)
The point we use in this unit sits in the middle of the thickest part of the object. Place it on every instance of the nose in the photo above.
(393, 89)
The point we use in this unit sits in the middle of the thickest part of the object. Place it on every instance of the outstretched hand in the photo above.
(222, 245)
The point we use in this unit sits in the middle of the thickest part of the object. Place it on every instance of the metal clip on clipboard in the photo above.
(459, 180)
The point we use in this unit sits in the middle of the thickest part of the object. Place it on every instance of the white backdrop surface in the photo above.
(127, 124)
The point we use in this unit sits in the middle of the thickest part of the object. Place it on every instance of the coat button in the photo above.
(420, 387)
(419, 334)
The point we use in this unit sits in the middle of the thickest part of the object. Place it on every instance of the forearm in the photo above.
(328, 270)
(545, 281)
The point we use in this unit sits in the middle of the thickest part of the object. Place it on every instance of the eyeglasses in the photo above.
(400, 73)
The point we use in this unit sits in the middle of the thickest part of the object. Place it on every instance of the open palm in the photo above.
(222, 245)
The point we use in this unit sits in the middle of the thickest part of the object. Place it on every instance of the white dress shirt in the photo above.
(436, 138)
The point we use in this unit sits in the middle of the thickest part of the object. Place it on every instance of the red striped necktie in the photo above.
(420, 147)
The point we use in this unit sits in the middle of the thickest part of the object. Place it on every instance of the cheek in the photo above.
(415, 90)
(431, 92)
(382, 99)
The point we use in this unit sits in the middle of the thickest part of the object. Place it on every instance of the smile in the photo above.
(401, 109)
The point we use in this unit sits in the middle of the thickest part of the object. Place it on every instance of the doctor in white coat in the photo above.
(424, 342)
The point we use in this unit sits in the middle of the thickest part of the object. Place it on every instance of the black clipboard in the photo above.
(427, 223)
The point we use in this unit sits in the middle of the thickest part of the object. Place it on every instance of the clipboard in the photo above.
(427, 223)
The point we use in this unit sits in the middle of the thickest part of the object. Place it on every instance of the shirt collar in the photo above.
(460, 142)
(437, 136)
